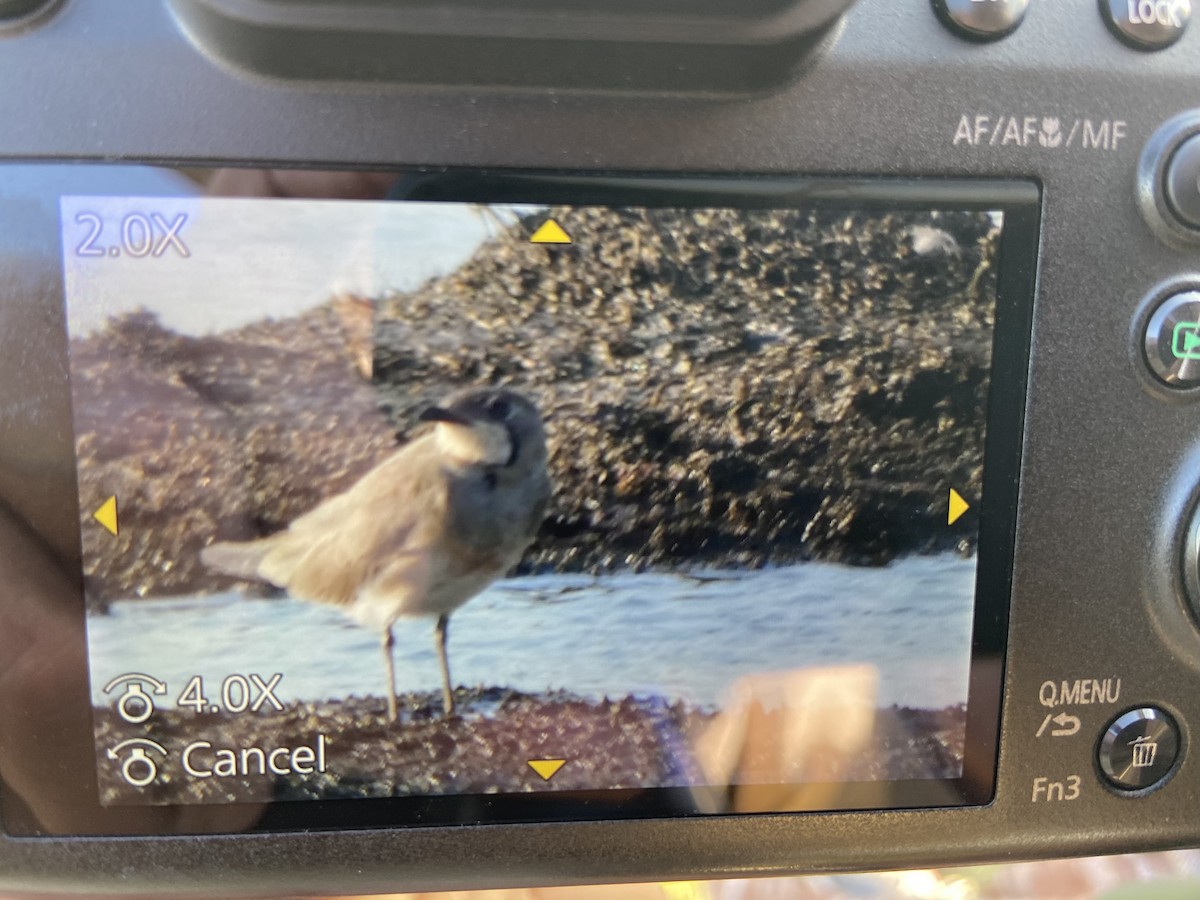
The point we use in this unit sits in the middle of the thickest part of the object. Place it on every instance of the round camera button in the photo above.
(1138, 749)
(981, 20)
(19, 9)
(1191, 564)
(1147, 24)
(1172, 341)
(1181, 182)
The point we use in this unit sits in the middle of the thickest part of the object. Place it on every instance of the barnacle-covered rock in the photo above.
(721, 387)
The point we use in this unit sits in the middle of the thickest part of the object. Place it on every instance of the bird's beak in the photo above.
(470, 441)
(441, 414)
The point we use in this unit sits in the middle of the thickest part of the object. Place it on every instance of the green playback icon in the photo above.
(1185, 341)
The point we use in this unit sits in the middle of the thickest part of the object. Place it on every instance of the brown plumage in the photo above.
(422, 532)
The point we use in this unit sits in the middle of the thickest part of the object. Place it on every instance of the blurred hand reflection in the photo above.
(47, 744)
(786, 740)
(47, 747)
(315, 185)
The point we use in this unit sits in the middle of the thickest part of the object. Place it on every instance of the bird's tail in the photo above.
(238, 560)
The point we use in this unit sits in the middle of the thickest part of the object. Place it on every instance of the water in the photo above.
(682, 636)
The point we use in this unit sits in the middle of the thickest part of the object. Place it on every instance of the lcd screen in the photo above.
(509, 511)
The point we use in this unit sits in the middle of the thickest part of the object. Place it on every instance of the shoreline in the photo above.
(610, 743)
(701, 573)
(683, 637)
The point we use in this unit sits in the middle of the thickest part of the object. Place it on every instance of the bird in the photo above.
(421, 533)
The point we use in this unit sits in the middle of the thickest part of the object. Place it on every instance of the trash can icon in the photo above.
(1144, 751)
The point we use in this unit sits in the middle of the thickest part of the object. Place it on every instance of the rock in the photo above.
(722, 388)
(231, 436)
(627, 743)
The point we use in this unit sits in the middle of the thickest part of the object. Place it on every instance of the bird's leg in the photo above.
(439, 631)
(388, 641)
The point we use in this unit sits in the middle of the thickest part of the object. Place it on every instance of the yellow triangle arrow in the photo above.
(958, 506)
(106, 515)
(550, 232)
(546, 767)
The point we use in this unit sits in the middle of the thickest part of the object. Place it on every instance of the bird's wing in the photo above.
(389, 518)
(334, 571)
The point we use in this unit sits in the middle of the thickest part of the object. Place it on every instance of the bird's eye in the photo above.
(499, 408)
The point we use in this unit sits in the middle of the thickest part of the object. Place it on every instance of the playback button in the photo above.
(1139, 749)
(1172, 341)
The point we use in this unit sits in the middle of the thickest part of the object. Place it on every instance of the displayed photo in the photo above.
(398, 499)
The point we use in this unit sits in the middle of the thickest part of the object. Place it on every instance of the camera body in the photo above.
(1099, 632)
